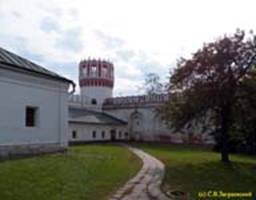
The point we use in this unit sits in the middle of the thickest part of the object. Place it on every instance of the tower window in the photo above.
(94, 134)
(103, 72)
(31, 114)
(94, 102)
(94, 71)
(74, 134)
(84, 71)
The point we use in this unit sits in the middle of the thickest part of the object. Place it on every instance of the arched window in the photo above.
(104, 72)
(84, 72)
(94, 102)
(136, 124)
(93, 71)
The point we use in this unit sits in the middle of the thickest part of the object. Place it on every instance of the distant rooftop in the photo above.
(85, 116)
(16, 62)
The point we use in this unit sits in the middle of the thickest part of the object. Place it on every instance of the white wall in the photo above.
(99, 93)
(20, 90)
(149, 128)
(85, 132)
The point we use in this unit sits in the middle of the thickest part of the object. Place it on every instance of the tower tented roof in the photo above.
(14, 62)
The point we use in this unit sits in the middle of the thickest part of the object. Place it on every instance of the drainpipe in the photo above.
(73, 89)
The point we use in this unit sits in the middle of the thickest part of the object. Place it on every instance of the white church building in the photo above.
(33, 107)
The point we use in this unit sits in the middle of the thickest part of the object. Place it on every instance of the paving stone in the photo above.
(146, 184)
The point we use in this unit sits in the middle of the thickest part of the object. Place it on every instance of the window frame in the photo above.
(94, 134)
(74, 134)
(94, 101)
(103, 134)
(31, 121)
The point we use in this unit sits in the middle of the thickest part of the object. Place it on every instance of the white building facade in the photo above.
(39, 115)
(34, 107)
(91, 125)
(133, 117)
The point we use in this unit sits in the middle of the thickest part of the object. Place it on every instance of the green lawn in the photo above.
(86, 172)
(190, 169)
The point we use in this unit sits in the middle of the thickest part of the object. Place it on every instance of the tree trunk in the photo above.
(225, 117)
(224, 148)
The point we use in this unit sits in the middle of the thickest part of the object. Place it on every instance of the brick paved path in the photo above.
(146, 184)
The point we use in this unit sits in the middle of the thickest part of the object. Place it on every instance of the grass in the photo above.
(192, 170)
(90, 172)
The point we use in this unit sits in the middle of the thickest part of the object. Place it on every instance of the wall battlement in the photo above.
(121, 102)
(96, 73)
(135, 101)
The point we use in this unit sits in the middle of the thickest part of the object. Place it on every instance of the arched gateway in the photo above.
(136, 125)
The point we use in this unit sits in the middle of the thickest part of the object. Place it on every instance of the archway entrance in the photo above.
(136, 125)
(113, 135)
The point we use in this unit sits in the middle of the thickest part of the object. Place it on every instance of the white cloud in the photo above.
(138, 36)
(124, 86)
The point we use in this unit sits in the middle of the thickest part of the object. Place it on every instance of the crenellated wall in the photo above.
(96, 79)
(135, 101)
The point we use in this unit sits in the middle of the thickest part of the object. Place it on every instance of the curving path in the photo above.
(146, 184)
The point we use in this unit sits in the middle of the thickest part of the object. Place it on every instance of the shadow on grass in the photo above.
(210, 176)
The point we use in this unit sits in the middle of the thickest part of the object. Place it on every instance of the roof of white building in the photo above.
(85, 116)
(14, 62)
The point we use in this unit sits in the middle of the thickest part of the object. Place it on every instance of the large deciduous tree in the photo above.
(207, 88)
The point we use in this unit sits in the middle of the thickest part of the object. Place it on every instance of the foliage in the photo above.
(244, 125)
(206, 88)
(152, 84)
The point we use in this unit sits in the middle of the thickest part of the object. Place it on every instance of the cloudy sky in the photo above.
(138, 36)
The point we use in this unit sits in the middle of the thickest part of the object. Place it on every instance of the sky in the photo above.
(138, 36)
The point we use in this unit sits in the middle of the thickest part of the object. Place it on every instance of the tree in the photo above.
(152, 84)
(206, 88)
(244, 125)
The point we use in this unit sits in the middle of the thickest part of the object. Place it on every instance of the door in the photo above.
(113, 134)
